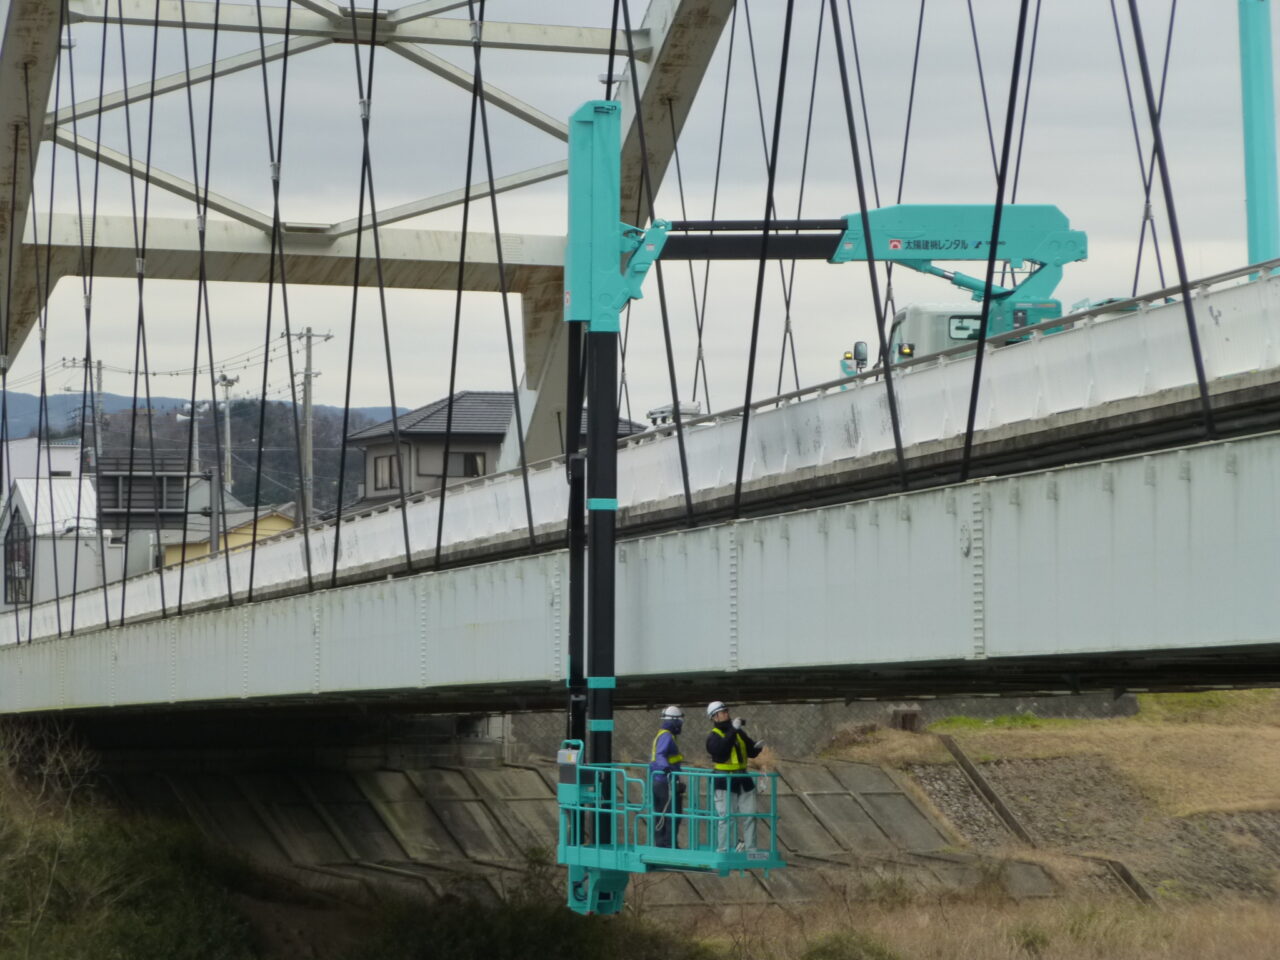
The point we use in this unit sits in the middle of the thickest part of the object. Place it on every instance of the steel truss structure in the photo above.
(672, 43)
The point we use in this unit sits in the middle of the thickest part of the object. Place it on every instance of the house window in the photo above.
(466, 464)
(17, 562)
(386, 473)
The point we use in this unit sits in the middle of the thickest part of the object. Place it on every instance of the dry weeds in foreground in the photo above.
(1050, 930)
(1189, 753)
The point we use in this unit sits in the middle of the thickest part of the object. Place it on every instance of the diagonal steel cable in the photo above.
(476, 46)
(275, 156)
(1002, 170)
(648, 194)
(764, 250)
(457, 317)
(1175, 234)
(885, 360)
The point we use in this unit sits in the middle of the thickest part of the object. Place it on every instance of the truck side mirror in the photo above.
(860, 353)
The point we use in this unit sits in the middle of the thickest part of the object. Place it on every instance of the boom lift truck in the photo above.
(606, 816)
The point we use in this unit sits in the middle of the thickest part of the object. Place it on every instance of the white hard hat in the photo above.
(714, 707)
(673, 713)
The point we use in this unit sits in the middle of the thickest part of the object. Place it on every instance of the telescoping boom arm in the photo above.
(1035, 238)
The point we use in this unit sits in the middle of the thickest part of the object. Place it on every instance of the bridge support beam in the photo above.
(1148, 571)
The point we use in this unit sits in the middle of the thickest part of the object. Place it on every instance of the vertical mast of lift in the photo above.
(1262, 200)
(592, 285)
(605, 263)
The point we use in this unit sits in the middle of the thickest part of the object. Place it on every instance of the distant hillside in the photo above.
(23, 410)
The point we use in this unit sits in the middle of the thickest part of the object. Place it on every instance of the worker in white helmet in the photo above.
(664, 766)
(734, 791)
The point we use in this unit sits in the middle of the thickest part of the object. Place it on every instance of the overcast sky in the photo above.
(1078, 153)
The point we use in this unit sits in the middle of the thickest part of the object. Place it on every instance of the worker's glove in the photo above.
(739, 723)
(680, 788)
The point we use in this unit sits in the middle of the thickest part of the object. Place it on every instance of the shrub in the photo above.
(849, 945)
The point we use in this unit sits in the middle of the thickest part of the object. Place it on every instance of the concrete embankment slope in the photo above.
(471, 830)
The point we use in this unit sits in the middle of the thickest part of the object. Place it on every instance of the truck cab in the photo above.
(921, 329)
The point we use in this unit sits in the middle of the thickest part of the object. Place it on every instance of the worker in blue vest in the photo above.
(734, 792)
(664, 766)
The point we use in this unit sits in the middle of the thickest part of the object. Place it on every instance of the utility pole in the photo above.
(308, 434)
(308, 420)
(75, 363)
(226, 383)
(97, 419)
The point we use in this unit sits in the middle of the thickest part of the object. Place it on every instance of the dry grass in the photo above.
(888, 748)
(1188, 752)
(1182, 768)
(1050, 930)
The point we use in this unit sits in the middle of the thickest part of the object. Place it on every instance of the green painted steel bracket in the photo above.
(596, 285)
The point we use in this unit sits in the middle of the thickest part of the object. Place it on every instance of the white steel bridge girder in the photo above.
(1174, 551)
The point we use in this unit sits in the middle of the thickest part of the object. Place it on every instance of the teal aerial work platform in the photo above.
(607, 824)
(606, 816)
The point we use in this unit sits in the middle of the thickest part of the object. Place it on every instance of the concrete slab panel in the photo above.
(512, 782)
(231, 815)
(863, 778)
(808, 776)
(352, 816)
(297, 825)
(469, 824)
(406, 815)
(539, 821)
(799, 830)
(854, 829)
(902, 820)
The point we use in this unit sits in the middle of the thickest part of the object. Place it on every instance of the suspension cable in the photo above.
(1175, 235)
(457, 318)
(87, 269)
(366, 97)
(42, 320)
(648, 193)
(699, 360)
(203, 314)
(7, 464)
(982, 84)
(764, 250)
(275, 155)
(862, 97)
(889, 305)
(476, 46)
(1026, 103)
(141, 360)
(885, 360)
(1001, 171)
(1146, 164)
(366, 183)
(789, 275)
(613, 51)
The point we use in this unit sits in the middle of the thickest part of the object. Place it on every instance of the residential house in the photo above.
(52, 544)
(32, 457)
(480, 422)
(237, 530)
